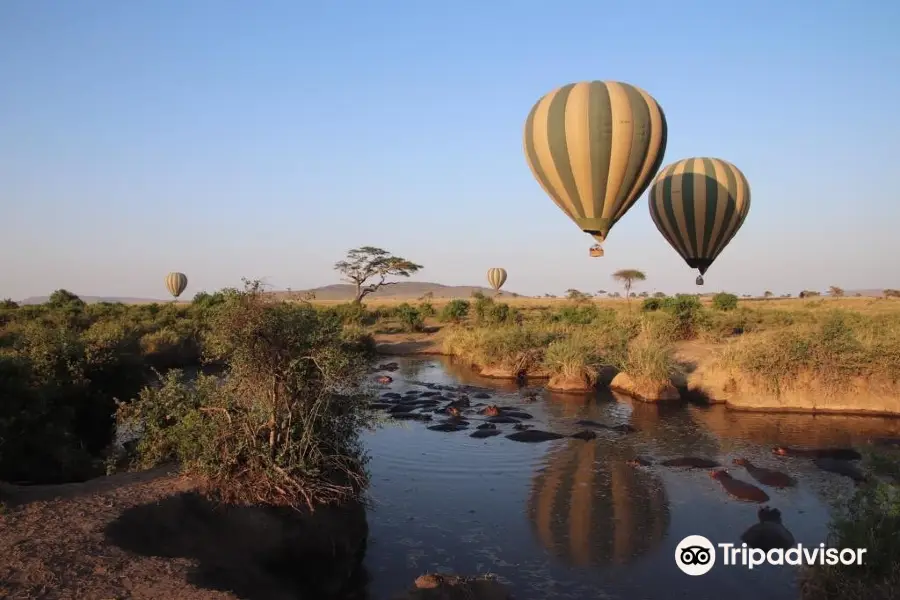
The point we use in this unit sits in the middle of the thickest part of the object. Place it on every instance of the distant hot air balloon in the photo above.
(496, 277)
(594, 147)
(176, 282)
(699, 204)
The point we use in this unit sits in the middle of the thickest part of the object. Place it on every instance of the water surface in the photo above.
(568, 518)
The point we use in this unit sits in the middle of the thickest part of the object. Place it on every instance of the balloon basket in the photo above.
(699, 280)
(596, 251)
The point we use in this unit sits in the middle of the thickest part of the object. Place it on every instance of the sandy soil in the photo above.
(151, 536)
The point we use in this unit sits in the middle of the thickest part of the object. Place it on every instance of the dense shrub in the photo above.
(281, 427)
(724, 301)
(455, 311)
(410, 317)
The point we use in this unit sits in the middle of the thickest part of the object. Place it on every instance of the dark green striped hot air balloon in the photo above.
(591, 509)
(175, 283)
(698, 205)
(594, 147)
(496, 277)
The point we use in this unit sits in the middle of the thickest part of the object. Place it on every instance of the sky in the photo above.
(264, 139)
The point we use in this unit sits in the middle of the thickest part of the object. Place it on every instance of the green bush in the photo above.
(282, 426)
(426, 309)
(410, 317)
(455, 311)
(651, 304)
(688, 312)
(724, 301)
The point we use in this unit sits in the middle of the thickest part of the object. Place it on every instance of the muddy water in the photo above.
(567, 518)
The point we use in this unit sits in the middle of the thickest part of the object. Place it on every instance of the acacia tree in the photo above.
(627, 277)
(835, 291)
(368, 262)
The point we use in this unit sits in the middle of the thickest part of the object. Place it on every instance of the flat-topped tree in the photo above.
(627, 277)
(368, 262)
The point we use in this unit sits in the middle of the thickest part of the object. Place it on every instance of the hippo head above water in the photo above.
(721, 474)
(741, 461)
(779, 450)
(769, 515)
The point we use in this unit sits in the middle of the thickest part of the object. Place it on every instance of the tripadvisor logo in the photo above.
(696, 555)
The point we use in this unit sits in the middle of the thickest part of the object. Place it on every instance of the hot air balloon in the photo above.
(591, 509)
(176, 282)
(594, 147)
(496, 277)
(698, 205)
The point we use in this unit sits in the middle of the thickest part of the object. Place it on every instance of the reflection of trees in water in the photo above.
(466, 375)
(792, 429)
(669, 426)
(596, 512)
(411, 369)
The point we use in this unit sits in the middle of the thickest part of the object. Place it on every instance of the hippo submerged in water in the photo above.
(768, 477)
(837, 453)
(738, 489)
(841, 467)
(769, 533)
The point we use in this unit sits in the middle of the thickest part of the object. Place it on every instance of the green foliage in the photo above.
(688, 313)
(8, 304)
(282, 426)
(426, 309)
(64, 299)
(651, 304)
(455, 311)
(724, 301)
(870, 520)
(410, 317)
(489, 312)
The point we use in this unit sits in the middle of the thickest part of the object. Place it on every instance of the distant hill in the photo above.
(95, 299)
(403, 290)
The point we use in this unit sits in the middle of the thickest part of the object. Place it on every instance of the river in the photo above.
(568, 518)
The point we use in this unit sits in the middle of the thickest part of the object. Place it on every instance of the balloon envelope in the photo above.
(698, 205)
(175, 283)
(594, 147)
(496, 277)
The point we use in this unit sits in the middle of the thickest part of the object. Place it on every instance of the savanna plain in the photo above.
(248, 444)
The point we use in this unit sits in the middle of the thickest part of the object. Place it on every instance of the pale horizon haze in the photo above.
(264, 139)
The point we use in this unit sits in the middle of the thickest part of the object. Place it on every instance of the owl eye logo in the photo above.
(695, 555)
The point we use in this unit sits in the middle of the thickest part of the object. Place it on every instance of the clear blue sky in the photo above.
(264, 139)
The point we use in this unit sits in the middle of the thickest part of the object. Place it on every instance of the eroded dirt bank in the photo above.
(699, 378)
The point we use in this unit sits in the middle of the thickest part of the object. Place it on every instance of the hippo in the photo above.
(399, 408)
(769, 533)
(533, 435)
(380, 405)
(739, 489)
(516, 414)
(384, 379)
(769, 477)
(391, 366)
(836, 453)
(841, 467)
(430, 393)
(486, 426)
(461, 402)
(502, 419)
(624, 428)
(481, 395)
(584, 434)
(392, 395)
(491, 411)
(522, 427)
(410, 416)
(691, 462)
(447, 426)
(485, 433)
(639, 461)
(453, 411)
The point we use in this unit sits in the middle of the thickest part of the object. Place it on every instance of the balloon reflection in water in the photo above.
(596, 512)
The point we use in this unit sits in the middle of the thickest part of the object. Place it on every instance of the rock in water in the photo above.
(646, 391)
(534, 435)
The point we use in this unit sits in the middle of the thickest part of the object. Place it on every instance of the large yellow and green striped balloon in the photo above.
(175, 283)
(594, 147)
(698, 205)
(496, 277)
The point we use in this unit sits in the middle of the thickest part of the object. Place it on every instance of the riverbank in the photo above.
(152, 535)
(701, 371)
